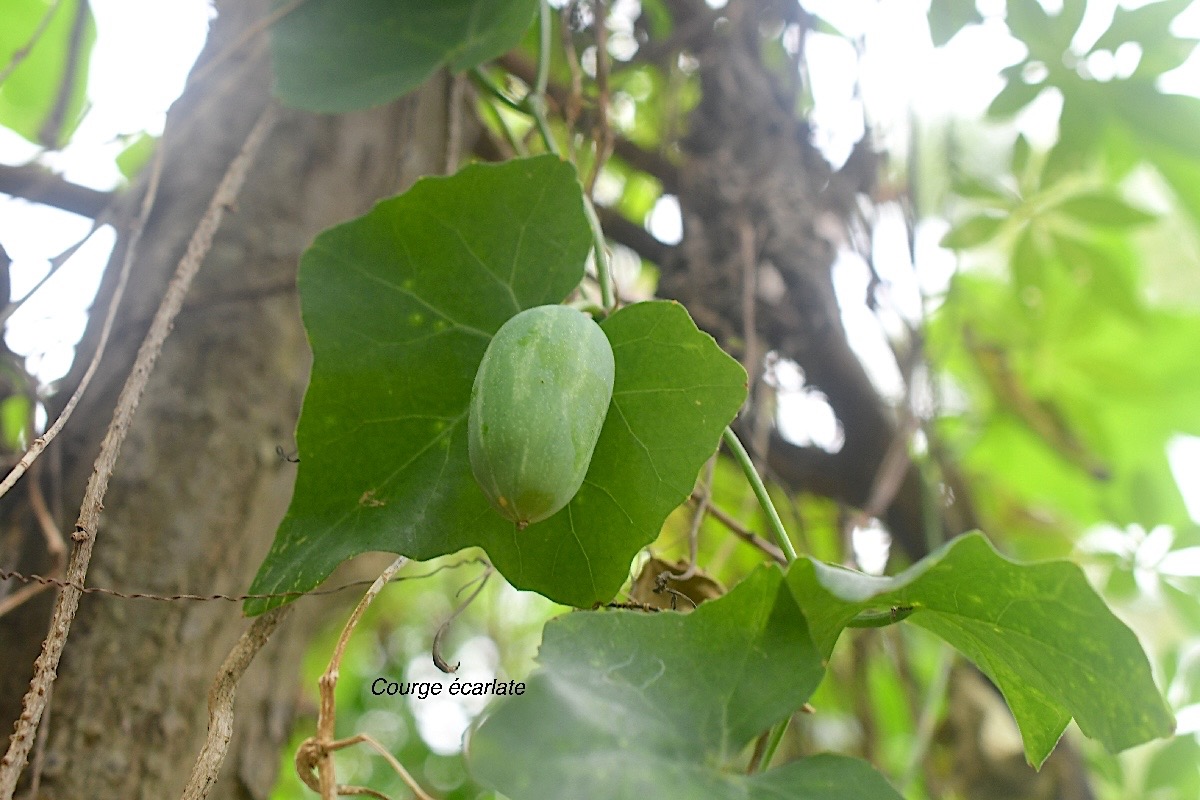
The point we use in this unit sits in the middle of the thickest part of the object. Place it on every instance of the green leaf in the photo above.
(972, 232)
(1163, 127)
(1148, 25)
(986, 192)
(1015, 95)
(661, 705)
(1170, 120)
(948, 17)
(30, 101)
(400, 305)
(16, 416)
(1175, 768)
(1022, 151)
(1081, 126)
(1069, 17)
(136, 155)
(1181, 172)
(1038, 631)
(1037, 30)
(340, 55)
(1163, 56)
(1103, 208)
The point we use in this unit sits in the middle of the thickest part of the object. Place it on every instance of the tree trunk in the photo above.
(199, 488)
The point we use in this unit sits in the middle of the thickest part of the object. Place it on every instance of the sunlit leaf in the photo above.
(1037, 30)
(972, 232)
(1104, 208)
(1174, 768)
(1015, 95)
(1163, 56)
(1020, 156)
(136, 155)
(43, 98)
(1146, 25)
(1038, 631)
(948, 17)
(983, 191)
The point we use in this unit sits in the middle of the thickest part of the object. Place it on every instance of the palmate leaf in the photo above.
(340, 55)
(399, 306)
(1039, 631)
(629, 705)
(1080, 363)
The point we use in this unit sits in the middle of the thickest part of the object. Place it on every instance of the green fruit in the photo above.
(537, 407)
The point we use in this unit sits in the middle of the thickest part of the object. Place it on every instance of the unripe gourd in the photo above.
(537, 406)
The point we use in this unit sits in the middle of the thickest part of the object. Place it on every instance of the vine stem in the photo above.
(789, 553)
(535, 104)
(927, 722)
(603, 265)
(760, 491)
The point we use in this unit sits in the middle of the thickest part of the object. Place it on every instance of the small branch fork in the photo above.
(316, 752)
(84, 536)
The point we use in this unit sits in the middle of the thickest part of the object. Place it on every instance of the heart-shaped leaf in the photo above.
(341, 55)
(662, 705)
(1039, 631)
(400, 306)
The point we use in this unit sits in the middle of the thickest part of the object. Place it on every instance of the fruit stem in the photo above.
(760, 491)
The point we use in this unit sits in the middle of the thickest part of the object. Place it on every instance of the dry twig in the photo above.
(701, 497)
(316, 752)
(742, 532)
(56, 264)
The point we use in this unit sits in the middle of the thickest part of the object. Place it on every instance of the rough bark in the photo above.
(199, 489)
